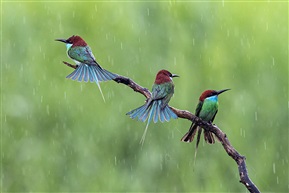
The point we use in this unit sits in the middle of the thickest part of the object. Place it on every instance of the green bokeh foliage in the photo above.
(58, 135)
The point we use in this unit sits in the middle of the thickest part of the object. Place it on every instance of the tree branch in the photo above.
(239, 159)
(133, 85)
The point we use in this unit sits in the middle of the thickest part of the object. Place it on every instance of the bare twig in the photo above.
(70, 65)
(239, 159)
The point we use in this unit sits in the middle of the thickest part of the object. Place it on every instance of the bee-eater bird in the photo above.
(87, 67)
(156, 108)
(206, 110)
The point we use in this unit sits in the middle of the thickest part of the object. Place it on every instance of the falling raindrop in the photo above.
(47, 109)
(256, 116)
(60, 23)
(265, 145)
(228, 33)
(274, 169)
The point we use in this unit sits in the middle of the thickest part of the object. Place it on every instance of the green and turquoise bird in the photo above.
(207, 109)
(87, 67)
(156, 108)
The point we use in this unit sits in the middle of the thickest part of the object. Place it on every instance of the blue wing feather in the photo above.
(94, 73)
(157, 112)
(80, 74)
(167, 116)
(157, 107)
(154, 111)
(85, 75)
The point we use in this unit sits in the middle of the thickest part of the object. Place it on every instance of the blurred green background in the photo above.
(57, 135)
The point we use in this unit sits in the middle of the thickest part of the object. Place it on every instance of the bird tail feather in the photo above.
(167, 113)
(154, 109)
(209, 138)
(92, 73)
(197, 144)
(145, 131)
(189, 136)
(138, 113)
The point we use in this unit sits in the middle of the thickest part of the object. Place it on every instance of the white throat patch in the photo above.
(68, 46)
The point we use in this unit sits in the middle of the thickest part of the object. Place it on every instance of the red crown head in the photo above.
(164, 76)
(208, 93)
(76, 41)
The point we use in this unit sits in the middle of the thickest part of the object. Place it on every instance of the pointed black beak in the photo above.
(175, 75)
(221, 91)
(61, 40)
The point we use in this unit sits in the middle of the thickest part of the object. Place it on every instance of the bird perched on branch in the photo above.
(87, 67)
(207, 109)
(156, 107)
